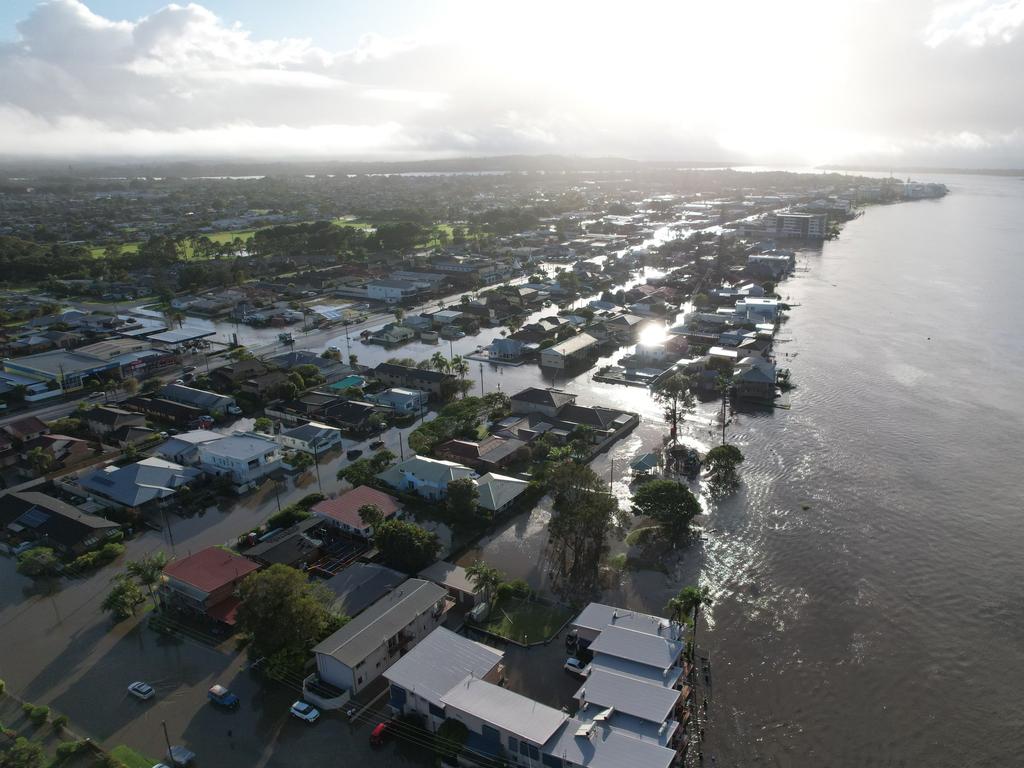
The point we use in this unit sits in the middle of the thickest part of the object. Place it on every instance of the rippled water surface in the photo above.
(868, 580)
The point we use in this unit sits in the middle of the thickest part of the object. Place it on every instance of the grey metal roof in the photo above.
(381, 621)
(606, 747)
(597, 616)
(138, 483)
(646, 700)
(636, 669)
(361, 585)
(508, 711)
(440, 662)
(641, 647)
(200, 398)
(449, 575)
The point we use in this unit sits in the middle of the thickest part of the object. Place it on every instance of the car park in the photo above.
(141, 690)
(304, 711)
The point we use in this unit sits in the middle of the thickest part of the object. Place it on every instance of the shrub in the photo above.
(288, 516)
(60, 721)
(309, 500)
(85, 561)
(68, 748)
(515, 588)
(3, 685)
(37, 715)
(111, 551)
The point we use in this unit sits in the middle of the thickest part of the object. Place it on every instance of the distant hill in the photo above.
(505, 163)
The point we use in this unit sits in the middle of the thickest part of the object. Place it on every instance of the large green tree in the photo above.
(148, 571)
(284, 614)
(23, 753)
(722, 464)
(124, 596)
(674, 396)
(38, 562)
(670, 504)
(406, 546)
(463, 496)
(583, 513)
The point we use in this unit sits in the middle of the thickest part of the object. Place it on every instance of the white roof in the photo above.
(644, 648)
(606, 747)
(439, 662)
(498, 490)
(629, 695)
(424, 468)
(508, 711)
(239, 446)
(597, 616)
(573, 344)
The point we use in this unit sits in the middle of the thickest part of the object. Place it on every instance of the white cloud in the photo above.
(975, 22)
(795, 81)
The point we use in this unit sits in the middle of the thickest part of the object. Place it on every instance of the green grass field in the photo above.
(524, 621)
(215, 237)
(132, 759)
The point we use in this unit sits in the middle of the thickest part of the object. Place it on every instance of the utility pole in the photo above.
(170, 533)
(316, 463)
(481, 379)
(167, 740)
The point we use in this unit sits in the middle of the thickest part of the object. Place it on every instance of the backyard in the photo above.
(525, 621)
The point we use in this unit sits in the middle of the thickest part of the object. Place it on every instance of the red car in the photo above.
(379, 734)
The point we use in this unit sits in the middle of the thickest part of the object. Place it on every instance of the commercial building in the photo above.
(359, 652)
(813, 226)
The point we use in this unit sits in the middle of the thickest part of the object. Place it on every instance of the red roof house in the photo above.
(343, 511)
(205, 583)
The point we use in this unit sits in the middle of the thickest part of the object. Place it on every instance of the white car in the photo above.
(304, 711)
(576, 667)
(141, 690)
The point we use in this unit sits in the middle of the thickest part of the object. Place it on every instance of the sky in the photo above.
(842, 82)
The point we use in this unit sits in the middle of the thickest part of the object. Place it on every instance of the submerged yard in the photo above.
(526, 621)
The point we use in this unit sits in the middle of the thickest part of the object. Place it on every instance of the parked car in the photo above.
(575, 667)
(304, 711)
(141, 690)
(353, 454)
(234, 410)
(381, 732)
(376, 444)
(222, 697)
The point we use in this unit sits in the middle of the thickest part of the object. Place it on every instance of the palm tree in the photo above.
(485, 578)
(148, 571)
(685, 607)
(460, 368)
(439, 362)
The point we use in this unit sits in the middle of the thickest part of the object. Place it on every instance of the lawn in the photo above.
(131, 759)
(524, 621)
(215, 237)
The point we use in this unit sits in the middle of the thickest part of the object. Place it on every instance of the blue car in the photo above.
(222, 697)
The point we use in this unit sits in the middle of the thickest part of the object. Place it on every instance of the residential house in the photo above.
(8, 453)
(297, 546)
(359, 652)
(426, 477)
(391, 335)
(143, 484)
(412, 378)
(25, 429)
(352, 415)
(507, 350)
(184, 448)
(361, 585)
(543, 401)
(206, 583)
(208, 402)
(402, 401)
(754, 379)
(31, 516)
(442, 660)
(245, 457)
(498, 492)
(758, 310)
(63, 450)
(231, 375)
(490, 453)
(264, 384)
(343, 512)
(167, 411)
(574, 351)
(102, 420)
(313, 438)
(395, 291)
(460, 587)
(127, 435)
(331, 370)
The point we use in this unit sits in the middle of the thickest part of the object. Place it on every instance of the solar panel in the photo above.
(34, 517)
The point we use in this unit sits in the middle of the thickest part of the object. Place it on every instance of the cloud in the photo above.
(796, 81)
(976, 22)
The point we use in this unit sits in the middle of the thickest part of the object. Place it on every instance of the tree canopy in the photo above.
(406, 546)
(668, 503)
(723, 463)
(284, 614)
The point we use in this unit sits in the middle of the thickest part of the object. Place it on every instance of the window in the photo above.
(513, 744)
(436, 711)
